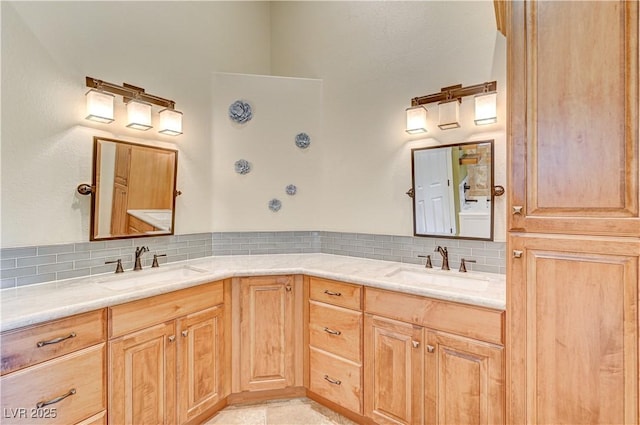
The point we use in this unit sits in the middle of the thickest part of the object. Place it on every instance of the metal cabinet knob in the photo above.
(516, 209)
(172, 338)
(415, 344)
(185, 333)
(431, 349)
(517, 253)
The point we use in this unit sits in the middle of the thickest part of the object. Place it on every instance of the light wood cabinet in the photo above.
(142, 386)
(335, 323)
(55, 372)
(267, 333)
(574, 330)
(573, 247)
(393, 377)
(464, 381)
(173, 371)
(418, 371)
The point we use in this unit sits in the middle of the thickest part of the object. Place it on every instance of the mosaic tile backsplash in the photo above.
(37, 264)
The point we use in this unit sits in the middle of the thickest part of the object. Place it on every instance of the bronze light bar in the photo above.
(128, 92)
(455, 92)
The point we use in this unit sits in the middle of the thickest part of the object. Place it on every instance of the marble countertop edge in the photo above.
(39, 303)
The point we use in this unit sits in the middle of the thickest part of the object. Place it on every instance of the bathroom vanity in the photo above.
(177, 344)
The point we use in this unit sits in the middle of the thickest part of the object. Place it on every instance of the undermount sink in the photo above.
(131, 280)
(450, 279)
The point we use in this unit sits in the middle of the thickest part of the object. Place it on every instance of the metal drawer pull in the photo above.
(336, 294)
(41, 404)
(332, 332)
(332, 381)
(56, 340)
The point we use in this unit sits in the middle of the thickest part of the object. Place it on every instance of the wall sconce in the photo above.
(486, 109)
(100, 106)
(416, 119)
(449, 100)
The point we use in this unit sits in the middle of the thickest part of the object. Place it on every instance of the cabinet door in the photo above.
(200, 355)
(573, 330)
(393, 377)
(573, 101)
(464, 381)
(142, 382)
(266, 333)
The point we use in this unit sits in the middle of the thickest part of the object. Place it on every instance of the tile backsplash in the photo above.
(36, 264)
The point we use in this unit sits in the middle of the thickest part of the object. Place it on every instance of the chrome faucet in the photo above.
(139, 251)
(445, 256)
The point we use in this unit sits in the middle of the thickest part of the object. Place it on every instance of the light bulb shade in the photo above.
(139, 115)
(486, 110)
(170, 122)
(449, 114)
(99, 106)
(416, 120)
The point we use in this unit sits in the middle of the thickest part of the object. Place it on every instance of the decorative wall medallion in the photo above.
(240, 112)
(291, 189)
(303, 140)
(242, 166)
(275, 205)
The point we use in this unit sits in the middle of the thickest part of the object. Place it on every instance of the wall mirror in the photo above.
(134, 189)
(453, 190)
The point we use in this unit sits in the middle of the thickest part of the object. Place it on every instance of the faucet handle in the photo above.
(119, 268)
(428, 264)
(155, 259)
(463, 268)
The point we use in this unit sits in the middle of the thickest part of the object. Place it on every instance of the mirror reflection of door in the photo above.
(453, 194)
(435, 212)
(135, 188)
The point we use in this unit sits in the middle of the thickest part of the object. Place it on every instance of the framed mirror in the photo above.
(134, 189)
(453, 190)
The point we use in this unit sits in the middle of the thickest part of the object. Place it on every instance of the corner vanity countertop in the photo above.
(48, 301)
(160, 219)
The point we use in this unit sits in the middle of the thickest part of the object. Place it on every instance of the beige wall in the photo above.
(372, 57)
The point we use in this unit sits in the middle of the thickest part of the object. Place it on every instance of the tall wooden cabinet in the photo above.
(574, 226)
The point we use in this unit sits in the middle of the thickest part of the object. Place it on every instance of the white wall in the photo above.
(169, 48)
(282, 108)
(372, 57)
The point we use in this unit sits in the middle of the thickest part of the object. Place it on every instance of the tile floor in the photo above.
(297, 411)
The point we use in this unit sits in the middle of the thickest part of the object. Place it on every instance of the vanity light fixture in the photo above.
(139, 104)
(486, 110)
(416, 119)
(449, 99)
(100, 106)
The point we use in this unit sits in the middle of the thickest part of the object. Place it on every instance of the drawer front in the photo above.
(79, 376)
(336, 330)
(335, 379)
(336, 293)
(473, 322)
(136, 315)
(36, 344)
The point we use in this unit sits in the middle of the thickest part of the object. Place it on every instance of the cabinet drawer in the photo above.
(336, 330)
(466, 320)
(81, 372)
(336, 293)
(36, 344)
(336, 380)
(129, 317)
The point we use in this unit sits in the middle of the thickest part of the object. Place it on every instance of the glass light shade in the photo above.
(486, 110)
(99, 106)
(170, 122)
(416, 120)
(449, 114)
(139, 115)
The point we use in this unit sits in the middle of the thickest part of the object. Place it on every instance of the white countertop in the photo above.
(160, 219)
(47, 301)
